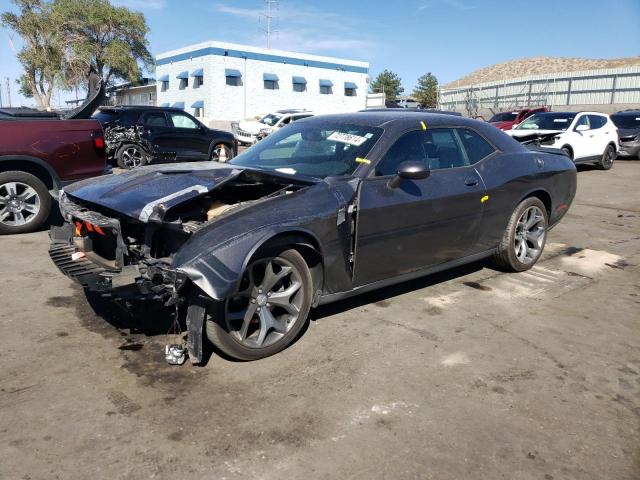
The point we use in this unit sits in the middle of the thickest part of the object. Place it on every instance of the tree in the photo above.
(388, 83)
(426, 92)
(110, 39)
(41, 54)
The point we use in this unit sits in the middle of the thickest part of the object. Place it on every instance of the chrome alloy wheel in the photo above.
(19, 204)
(267, 304)
(221, 153)
(132, 157)
(530, 234)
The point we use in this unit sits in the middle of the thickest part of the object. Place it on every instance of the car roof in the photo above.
(138, 107)
(292, 111)
(629, 112)
(381, 118)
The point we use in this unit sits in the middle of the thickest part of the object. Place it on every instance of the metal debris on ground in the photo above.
(175, 354)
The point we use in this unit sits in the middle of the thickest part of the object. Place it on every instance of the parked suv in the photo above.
(37, 158)
(508, 120)
(250, 131)
(585, 137)
(628, 123)
(137, 135)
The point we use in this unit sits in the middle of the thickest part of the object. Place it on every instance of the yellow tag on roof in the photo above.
(363, 160)
(484, 199)
(424, 125)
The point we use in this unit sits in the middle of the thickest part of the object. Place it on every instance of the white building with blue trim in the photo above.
(225, 81)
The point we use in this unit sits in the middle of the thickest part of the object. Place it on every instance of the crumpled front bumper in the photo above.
(147, 280)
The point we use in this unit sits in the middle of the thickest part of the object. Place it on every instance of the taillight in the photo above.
(98, 141)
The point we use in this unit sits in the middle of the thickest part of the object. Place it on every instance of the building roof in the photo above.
(234, 50)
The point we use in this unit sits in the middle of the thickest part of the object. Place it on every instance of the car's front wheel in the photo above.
(524, 237)
(25, 202)
(268, 310)
(606, 162)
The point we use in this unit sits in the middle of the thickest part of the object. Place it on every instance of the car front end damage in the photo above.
(135, 254)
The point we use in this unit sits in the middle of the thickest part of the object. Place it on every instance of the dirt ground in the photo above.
(472, 374)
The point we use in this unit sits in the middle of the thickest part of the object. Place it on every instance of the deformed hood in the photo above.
(136, 193)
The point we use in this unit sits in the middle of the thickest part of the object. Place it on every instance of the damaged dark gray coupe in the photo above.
(328, 207)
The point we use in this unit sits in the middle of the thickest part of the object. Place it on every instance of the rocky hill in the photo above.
(537, 66)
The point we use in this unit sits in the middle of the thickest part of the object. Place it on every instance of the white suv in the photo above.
(250, 131)
(583, 136)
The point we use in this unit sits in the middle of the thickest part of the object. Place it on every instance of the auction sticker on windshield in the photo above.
(347, 138)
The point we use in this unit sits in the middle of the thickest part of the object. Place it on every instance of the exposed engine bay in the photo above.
(131, 258)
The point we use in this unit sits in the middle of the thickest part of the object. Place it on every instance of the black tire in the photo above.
(505, 257)
(131, 155)
(567, 152)
(223, 335)
(41, 199)
(216, 153)
(606, 161)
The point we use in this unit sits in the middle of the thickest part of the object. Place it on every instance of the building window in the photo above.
(184, 83)
(198, 82)
(299, 87)
(270, 84)
(198, 112)
(326, 90)
(234, 81)
(233, 77)
(164, 86)
(349, 92)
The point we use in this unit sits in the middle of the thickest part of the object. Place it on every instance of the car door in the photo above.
(602, 132)
(156, 129)
(585, 143)
(187, 137)
(421, 222)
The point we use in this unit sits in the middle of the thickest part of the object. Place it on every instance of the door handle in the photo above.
(470, 182)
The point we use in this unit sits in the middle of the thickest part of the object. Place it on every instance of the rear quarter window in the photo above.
(476, 146)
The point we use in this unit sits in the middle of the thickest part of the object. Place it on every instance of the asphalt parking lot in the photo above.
(468, 374)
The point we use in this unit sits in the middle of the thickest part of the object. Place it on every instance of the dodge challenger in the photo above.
(325, 208)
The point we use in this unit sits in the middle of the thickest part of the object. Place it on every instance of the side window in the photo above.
(443, 149)
(597, 121)
(476, 146)
(583, 120)
(180, 120)
(409, 147)
(155, 119)
(286, 121)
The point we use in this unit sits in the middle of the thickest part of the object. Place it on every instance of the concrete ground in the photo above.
(472, 374)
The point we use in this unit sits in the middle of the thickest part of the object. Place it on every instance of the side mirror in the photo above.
(409, 171)
(582, 128)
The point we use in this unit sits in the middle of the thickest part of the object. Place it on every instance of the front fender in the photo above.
(218, 272)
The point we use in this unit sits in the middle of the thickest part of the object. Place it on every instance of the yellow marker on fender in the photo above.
(484, 199)
(424, 125)
(363, 160)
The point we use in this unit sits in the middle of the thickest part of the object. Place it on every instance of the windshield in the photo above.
(626, 121)
(547, 121)
(270, 119)
(504, 117)
(316, 149)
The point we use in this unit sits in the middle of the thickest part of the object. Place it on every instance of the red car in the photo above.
(508, 120)
(37, 158)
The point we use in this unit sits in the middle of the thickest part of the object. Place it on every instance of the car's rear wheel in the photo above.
(221, 153)
(609, 155)
(25, 202)
(130, 156)
(524, 237)
(267, 312)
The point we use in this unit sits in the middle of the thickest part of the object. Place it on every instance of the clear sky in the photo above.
(449, 38)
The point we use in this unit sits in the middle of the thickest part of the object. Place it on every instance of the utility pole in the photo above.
(268, 15)
(8, 91)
